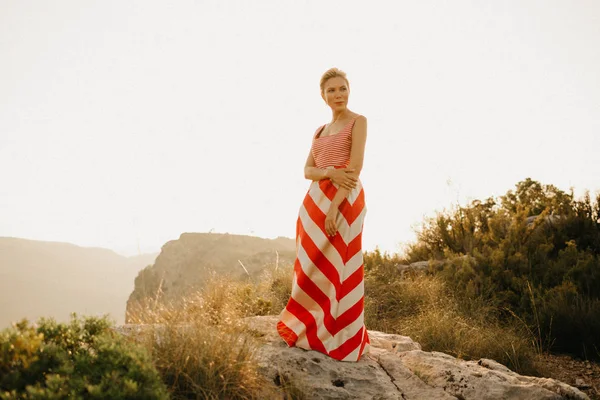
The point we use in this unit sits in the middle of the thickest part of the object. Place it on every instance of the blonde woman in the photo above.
(326, 309)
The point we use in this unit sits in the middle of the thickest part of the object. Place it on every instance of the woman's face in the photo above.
(335, 93)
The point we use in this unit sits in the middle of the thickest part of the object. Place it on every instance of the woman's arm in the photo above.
(313, 173)
(357, 154)
(342, 176)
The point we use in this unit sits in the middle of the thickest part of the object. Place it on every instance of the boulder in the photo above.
(395, 368)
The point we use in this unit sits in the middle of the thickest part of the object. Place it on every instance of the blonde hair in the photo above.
(332, 73)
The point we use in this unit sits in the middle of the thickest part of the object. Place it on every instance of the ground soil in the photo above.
(584, 375)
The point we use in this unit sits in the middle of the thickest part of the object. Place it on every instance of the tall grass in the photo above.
(201, 346)
(420, 306)
(203, 350)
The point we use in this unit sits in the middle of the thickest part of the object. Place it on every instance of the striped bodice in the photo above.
(333, 150)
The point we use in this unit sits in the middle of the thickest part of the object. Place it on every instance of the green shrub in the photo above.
(533, 253)
(568, 314)
(83, 359)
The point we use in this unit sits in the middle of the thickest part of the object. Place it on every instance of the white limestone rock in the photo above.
(395, 368)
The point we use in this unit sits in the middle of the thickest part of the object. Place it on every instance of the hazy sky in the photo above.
(126, 122)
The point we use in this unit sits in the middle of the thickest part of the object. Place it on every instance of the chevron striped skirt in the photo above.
(326, 309)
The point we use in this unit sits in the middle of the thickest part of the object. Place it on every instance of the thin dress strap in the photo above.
(320, 130)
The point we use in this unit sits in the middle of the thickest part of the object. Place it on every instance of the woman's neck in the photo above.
(337, 115)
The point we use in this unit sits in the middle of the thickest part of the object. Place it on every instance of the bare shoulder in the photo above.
(361, 122)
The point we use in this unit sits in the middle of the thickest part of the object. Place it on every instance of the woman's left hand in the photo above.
(330, 220)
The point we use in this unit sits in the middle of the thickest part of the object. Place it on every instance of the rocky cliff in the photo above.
(185, 264)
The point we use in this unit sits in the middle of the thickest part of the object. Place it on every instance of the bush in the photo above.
(569, 315)
(533, 253)
(83, 359)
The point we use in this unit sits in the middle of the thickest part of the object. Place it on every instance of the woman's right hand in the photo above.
(343, 177)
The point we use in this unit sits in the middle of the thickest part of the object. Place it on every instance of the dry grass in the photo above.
(203, 351)
(201, 347)
(420, 307)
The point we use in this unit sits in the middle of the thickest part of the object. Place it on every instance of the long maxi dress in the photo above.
(326, 309)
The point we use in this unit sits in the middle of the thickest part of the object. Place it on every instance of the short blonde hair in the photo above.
(332, 73)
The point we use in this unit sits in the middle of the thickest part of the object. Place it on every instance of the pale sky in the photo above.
(126, 122)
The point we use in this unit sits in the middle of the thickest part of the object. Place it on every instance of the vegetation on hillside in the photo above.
(196, 347)
(423, 307)
(508, 279)
(205, 351)
(533, 254)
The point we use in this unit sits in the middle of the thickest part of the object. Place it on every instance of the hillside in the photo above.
(183, 265)
(53, 279)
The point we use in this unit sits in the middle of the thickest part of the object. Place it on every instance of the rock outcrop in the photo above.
(185, 264)
(395, 368)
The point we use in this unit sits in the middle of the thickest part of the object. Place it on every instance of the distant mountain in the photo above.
(183, 265)
(54, 279)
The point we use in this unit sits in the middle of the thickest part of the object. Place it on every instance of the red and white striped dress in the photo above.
(326, 309)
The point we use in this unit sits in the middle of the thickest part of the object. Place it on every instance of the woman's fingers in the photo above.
(330, 228)
(349, 184)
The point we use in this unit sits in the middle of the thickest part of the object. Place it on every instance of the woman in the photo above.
(326, 309)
